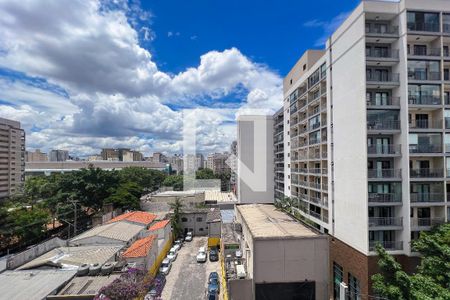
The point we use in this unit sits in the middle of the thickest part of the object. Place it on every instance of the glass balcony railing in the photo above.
(426, 197)
(383, 125)
(388, 101)
(426, 173)
(383, 54)
(425, 148)
(375, 29)
(384, 173)
(423, 26)
(425, 124)
(388, 245)
(384, 149)
(385, 221)
(424, 51)
(424, 100)
(383, 78)
(385, 198)
(426, 222)
(422, 76)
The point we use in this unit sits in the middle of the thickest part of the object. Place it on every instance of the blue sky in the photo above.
(85, 74)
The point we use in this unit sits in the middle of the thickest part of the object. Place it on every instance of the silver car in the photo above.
(165, 266)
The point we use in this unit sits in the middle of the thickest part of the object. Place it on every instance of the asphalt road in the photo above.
(188, 279)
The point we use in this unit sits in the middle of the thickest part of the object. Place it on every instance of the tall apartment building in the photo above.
(369, 134)
(12, 157)
(59, 155)
(278, 149)
(194, 162)
(35, 156)
(217, 163)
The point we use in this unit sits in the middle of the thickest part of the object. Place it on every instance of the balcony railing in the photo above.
(385, 198)
(384, 149)
(389, 53)
(425, 124)
(424, 51)
(426, 222)
(423, 26)
(426, 173)
(426, 197)
(419, 75)
(384, 173)
(385, 221)
(389, 77)
(425, 148)
(388, 101)
(315, 170)
(383, 125)
(424, 100)
(388, 245)
(371, 29)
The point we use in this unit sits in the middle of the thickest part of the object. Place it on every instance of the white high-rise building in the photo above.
(367, 134)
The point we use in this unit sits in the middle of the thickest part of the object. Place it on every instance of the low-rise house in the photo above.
(85, 288)
(162, 229)
(143, 252)
(74, 257)
(214, 221)
(122, 233)
(33, 284)
(194, 220)
(135, 217)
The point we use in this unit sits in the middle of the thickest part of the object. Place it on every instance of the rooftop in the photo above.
(87, 285)
(136, 217)
(32, 284)
(213, 215)
(120, 231)
(266, 222)
(73, 257)
(140, 248)
(159, 225)
(219, 196)
(227, 234)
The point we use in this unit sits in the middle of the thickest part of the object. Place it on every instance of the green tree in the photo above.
(432, 279)
(126, 196)
(175, 181)
(29, 224)
(175, 220)
(205, 174)
(148, 180)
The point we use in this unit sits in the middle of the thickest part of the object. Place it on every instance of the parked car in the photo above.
(212, 296)
(238, 254)
(176, 247)
(213, 255)
(172, 255)
(188, 237)
(201, 256)
(165, 266)
(213, 277)
(214, 288)
(179, 241)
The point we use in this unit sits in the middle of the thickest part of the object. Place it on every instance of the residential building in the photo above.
(12, 157)
(142, 252)
(282, 258)
(369, 134)
(59, 155)
(121, 154)
(110, 154)
(255, 166)
(233, 166)
(278, 145)
(176, 162)
(194, 162)
(159, 157)
(135, 217)
(217, 163)
(37, 155)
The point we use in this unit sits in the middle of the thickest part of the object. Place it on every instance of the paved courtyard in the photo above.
(187, 278)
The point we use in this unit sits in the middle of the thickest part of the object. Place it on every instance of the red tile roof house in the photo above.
(143, 252)
(135, 217)
(162, 229)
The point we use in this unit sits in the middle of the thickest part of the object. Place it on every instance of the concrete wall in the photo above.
(258, 186)
(240, 289)
(191, 224)
(214, 229)
(21, 258)
(146, 263)
(292, 260)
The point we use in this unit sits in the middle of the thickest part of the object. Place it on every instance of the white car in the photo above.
(201, 256)
(188, 237)
(238, 254)
(172, 255)
(165, 266)
(176, 247)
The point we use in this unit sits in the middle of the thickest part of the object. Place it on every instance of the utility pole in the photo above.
(74, 203)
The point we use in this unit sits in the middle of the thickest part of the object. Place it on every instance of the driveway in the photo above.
(188, 279)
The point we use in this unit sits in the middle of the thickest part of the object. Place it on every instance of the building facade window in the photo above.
(354, 289)
(338, 277)
(423, 21)
(184, 219)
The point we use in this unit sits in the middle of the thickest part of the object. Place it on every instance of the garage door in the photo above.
(286, 291)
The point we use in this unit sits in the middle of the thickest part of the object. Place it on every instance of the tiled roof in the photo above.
(159, 225)
(213, 215)
(119, 231)
(136, 217)
(140, 248)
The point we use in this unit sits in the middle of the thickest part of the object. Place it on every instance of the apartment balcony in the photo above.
(385, 198)
(387, 102)
(425, 148)
(279, 159)
(388, 80)
(433, 52)
(426, 173)
(385, 222)
(388, 57)
(383, 125)
(423, 27)
(388, 245)
(425, 125)
(315, 185)
(372, 30)
(315, 170)
(424, 76)
(383, 150)
(279, 169)
(390, 174)
(424, 100)
(426, 222)
(427, 197)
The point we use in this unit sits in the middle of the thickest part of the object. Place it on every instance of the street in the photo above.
(188, 279)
